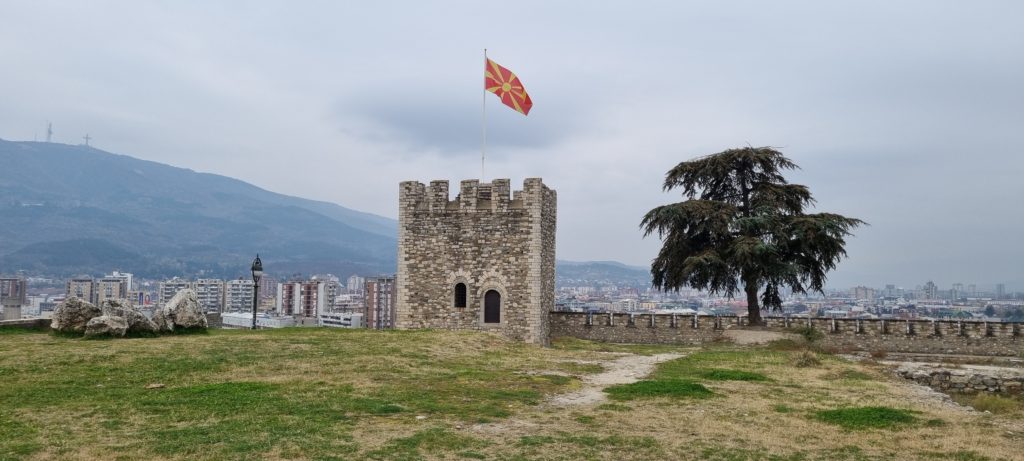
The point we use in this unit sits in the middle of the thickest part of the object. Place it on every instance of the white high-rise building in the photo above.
(169, 288)
(355, 284)
(302, 299)
(210, 294)
(238, 295)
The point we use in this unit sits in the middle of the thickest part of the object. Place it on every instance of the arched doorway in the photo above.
(492, 307)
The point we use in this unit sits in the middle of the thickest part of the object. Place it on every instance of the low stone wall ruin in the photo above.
(949, 337)
(965, 380)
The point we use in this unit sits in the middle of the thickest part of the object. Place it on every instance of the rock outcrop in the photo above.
(182, 311)
(138, 323)
(72, 315)
(106, 325)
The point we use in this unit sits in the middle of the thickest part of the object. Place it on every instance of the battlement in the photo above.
(473, 196)
(484, 260)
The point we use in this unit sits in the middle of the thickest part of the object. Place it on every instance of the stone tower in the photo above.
(483, 261)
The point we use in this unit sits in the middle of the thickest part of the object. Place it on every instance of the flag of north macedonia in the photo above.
(506, 85)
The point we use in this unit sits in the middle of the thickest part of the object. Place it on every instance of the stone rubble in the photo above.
(967, 380)
(136, 320)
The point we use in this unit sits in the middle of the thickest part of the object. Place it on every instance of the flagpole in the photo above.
(483, 124)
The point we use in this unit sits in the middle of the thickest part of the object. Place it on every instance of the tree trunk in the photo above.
(753, 306)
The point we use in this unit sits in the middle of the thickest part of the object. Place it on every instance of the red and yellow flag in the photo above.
(506, 85)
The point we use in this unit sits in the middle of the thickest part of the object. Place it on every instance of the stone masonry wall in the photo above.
(914, 336)
(484, 239)
(967, 380)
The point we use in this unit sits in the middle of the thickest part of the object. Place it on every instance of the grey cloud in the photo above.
(906, 114)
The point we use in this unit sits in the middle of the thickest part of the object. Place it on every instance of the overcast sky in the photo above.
(908, 114)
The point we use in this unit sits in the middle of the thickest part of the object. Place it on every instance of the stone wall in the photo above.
(965, 380)
(214, 320)
(29, 324)
(913, 336)
(484, 239)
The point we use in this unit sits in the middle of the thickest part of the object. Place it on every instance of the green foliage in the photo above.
(659, 388)
(705, 364)
(731, 375)
(867, 417)
(743, 225)
(809, 333)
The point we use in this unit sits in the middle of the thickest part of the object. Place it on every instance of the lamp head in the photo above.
(257, 269)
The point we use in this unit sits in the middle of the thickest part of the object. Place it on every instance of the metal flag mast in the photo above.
(483, 124)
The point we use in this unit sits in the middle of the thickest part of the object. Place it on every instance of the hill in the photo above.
(69, 209)
(578, 273)
(417, 395)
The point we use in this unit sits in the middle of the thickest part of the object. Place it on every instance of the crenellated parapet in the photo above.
(473, 197)
(950, 337)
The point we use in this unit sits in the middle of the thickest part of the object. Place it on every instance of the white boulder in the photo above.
(72, 315)
(106, 325)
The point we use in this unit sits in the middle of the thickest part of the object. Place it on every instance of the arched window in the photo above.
(460, 295)
(492, 307)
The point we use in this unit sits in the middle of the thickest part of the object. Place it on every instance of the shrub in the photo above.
(808, 333)
(806, 359)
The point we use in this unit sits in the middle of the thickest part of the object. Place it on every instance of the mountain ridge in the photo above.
(169, 219)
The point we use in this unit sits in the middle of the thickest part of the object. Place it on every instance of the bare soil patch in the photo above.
(623, 370)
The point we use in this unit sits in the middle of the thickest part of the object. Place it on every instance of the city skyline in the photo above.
(903, 115)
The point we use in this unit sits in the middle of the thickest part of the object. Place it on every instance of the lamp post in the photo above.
(257, 273)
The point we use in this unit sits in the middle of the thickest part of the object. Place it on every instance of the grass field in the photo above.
(407, 395)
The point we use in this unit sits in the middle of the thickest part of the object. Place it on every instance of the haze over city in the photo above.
(905, 115)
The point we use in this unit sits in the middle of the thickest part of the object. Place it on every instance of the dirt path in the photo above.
(623, 370)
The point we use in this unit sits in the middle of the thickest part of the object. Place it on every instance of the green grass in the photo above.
(235, 394)
(614, 407)
(995, 403)
(717, 374)
(960, 455)
(430, 441)
(744, 365)
(780, 408)
(867, 417)
(410, 395)
(671, 388)
(574, 344)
